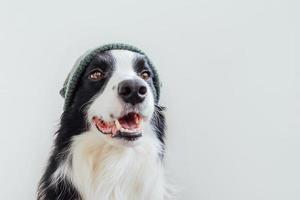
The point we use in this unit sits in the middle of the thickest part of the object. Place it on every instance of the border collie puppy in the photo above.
(110, 144)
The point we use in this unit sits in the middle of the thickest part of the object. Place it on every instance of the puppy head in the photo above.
(117, 93)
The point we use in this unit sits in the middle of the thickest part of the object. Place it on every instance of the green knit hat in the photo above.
(70, 84)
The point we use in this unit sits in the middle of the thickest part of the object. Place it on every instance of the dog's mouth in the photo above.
(127, 127)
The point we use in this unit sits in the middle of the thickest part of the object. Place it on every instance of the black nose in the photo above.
(132, 91)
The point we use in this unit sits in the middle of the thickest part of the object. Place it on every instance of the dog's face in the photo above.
(117, 93)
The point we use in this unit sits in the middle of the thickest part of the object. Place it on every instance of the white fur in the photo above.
(108, 172)
(104, 168)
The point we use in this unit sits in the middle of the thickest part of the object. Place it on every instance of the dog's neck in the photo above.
(103, 171)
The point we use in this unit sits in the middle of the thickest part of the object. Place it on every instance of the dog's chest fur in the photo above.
(105, 172)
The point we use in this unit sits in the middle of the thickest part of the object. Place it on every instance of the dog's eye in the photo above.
(145, 75)
(96, 75)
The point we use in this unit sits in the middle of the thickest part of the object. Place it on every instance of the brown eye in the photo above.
(96, 75)
(145, 75)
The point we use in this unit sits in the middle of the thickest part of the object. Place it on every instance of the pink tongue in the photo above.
(128, 124)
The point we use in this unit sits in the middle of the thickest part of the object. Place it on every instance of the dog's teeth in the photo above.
(126, 130)
(114, 131)
(118, 125)
(136, 119)
(129, 131)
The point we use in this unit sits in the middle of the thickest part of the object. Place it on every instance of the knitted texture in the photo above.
(69, 88)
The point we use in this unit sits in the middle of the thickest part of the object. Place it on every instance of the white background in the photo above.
(231, 81)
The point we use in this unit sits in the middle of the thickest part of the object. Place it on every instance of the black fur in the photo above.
(73, 123)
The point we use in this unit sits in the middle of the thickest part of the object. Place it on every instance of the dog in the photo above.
(110, 144)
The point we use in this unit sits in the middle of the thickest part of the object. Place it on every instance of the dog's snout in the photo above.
(132, 91)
